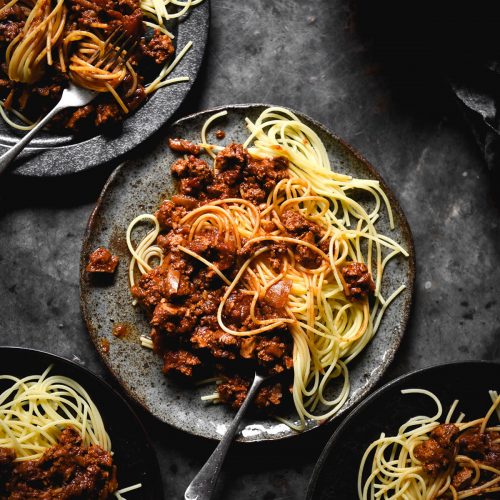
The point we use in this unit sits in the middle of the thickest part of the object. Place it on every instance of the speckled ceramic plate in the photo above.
(137, 187)
(336, 472)
(133, 454)
(54, 155)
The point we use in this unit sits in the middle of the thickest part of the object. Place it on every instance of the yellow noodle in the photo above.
(328, 330)
(396, 473)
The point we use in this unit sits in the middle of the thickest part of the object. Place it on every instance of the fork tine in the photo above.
(118, 46)
(126, 46)
(129, 52)
(111, 49)
(119, 50)
(117, 32)
(118, 40)
(105, 60)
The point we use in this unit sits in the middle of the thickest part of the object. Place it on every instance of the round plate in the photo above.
(67, 154)
(336, 473)
(133, 454)
(138, 186)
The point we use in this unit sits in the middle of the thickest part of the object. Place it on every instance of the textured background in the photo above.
(323, 58)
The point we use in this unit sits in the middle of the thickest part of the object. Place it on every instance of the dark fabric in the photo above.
(477, 93)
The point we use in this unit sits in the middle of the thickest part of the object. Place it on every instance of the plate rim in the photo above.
(325, 452)
(56, 358)
(106, 154)
(395, 205)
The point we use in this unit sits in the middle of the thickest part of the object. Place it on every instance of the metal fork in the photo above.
(202, 487)
(117, 48)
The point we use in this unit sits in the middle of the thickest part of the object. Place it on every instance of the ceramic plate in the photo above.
(133, 455)
(53, 155)
(137, 187)
(336, 473)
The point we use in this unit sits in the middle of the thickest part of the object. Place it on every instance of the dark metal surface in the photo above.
(336, 472)
(138, 187)
(62, 155)
(315, 57)
(133, 453)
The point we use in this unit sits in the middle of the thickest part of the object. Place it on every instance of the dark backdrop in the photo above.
(362, 71)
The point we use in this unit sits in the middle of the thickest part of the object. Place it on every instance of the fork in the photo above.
(202, 487)
(75, 96)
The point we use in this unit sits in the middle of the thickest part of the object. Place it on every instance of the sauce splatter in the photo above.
(121, 330)
(104, 345)
(220, 134)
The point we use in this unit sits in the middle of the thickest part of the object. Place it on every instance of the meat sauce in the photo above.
(37, 99)
(67, 470)
(358, 282)
(445, 442)
(102, 260)
(183, 146)
(182, 295)
(121, 330)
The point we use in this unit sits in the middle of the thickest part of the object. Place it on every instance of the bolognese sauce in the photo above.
(182, 295)
(262, 261)
(66, 470)
(152, 51)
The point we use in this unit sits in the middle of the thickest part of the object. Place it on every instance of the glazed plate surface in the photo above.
(139, 186)
(133, 454)
(50, 154)
(336, 472)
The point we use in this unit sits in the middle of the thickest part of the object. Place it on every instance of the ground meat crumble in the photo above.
(182, 295)
(65, 471)
(102, 260)
(437, 454)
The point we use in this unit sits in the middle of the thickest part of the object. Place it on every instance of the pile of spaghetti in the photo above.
(43, 43)
(428, 459)
(53, 443)
(264, 259)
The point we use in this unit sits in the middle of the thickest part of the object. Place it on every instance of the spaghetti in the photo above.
(47, 414)
(49, 41)
(31, 49)
(298, 293)
(427, 460)
(34, 409)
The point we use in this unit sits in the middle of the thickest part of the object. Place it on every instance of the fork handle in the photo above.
(202, 487)
(7, 158)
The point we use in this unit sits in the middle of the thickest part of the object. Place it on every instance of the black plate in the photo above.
(133, 454)
(66, 154)
(336, 473)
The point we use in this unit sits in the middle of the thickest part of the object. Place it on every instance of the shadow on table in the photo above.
(243, 460)
(421, 43)
(424, 48)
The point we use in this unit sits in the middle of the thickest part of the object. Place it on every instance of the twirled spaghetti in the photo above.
(48, 41)
(31, 49)
(298, 248)
(427, 459)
